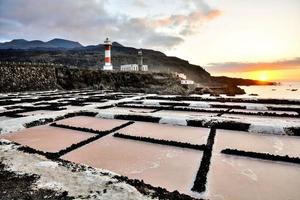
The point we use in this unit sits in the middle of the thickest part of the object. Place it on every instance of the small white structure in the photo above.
(107, 46)
(144, 68)
(133, 67)
(181, 75)
(187, 82)
(129, 67)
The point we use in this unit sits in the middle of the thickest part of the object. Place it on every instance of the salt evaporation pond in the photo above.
(186, 113)
(233, 177)
(265, 120)
(273, 144)
(131, 110)
(47, 138)
(92, 123)
(184, 134)
(170, 167)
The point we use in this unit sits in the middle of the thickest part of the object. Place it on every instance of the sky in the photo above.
(256, 39)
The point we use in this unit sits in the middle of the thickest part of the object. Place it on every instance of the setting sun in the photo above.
(263, 76)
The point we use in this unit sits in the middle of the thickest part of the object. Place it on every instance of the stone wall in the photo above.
(24, 77)
(16, 77)
(148, 82)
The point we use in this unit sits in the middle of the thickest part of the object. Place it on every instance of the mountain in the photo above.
(116, 44)
(61, 43)
(37, 44)
(24, 44)
(71, 53)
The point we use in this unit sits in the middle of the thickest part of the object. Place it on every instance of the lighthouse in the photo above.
(107, 47)
(140, 55)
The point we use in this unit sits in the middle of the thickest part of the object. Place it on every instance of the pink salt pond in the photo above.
(273, 144)
(47, 138)
(184, 134)
(92, 123)
(170, 167)
(234, 177)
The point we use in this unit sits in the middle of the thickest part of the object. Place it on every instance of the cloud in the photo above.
(163, 41)
(189, 23)
(257, 66)
(89, 22)
(139, 3)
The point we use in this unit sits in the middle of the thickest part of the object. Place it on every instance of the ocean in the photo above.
(287, 90)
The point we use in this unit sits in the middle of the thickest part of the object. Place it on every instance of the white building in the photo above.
(133, 67)
(144, 68)
(187, 82)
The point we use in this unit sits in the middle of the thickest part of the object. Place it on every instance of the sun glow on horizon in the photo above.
(270, 75)
(263, 76)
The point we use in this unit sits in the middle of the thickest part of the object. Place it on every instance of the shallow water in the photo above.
(92, 123)
(169, 167)
(233, 177)
(277, 145)
(167, 132)
(47, 138)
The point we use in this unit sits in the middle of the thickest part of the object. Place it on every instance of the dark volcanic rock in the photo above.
(24, 77)
(15, 186)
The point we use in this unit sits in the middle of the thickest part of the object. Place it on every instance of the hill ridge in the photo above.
(56, 43)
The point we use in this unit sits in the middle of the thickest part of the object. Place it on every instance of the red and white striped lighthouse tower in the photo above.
(107, 46)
